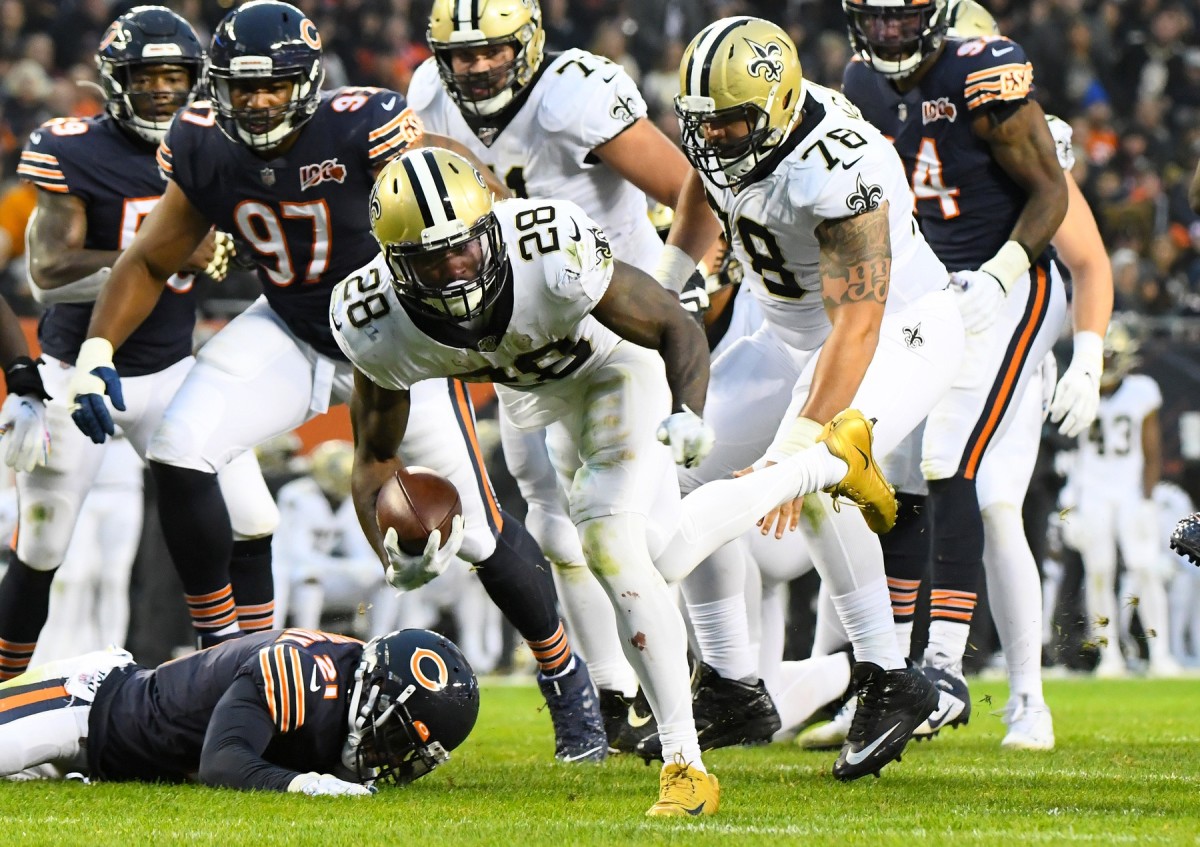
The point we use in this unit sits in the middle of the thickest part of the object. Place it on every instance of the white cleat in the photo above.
(1030, 726)
(1164, 667)
(1112, 666)
(831, 735)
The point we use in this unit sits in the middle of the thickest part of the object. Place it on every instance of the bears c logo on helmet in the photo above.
(441, 675)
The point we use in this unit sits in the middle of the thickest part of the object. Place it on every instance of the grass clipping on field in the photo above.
(1126, 771)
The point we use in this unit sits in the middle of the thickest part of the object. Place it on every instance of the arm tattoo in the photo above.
(856, 258)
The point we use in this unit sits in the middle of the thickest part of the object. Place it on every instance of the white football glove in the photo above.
(23, 432)
(689, 438)
(218, 266)
(326, 785)
(405, 572)
(1077, 397)
(980, 298)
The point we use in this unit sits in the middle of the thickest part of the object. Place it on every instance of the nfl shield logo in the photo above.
(902, 112)
(267, 175)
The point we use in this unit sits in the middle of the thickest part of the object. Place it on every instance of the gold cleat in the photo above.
(685, 791)
(848, 436)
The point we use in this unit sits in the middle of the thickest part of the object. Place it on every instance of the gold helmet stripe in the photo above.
(428, 184)
(700, 64)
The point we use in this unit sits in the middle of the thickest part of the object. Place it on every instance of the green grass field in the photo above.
(1127, 770)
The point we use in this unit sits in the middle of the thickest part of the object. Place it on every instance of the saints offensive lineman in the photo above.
(526, 294)
(817, 208)
(97, 179)
(287, 167)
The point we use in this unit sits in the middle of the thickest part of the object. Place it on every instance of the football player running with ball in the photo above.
(526, 294)
(572, 126)
(287, 167)
(299, 710)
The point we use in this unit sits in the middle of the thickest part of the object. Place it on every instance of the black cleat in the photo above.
(954, 702)
(575, 713)
(1185, 540)
(890, 705)
(727, 713)
(627, 720)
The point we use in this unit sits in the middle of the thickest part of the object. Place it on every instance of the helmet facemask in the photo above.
(264, 129)
(137, 110)
(425, 274)
(384, 744)
(727, 162)
(895, 39)
(489, 92)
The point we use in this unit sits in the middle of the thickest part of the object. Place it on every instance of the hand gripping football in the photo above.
(414, 502)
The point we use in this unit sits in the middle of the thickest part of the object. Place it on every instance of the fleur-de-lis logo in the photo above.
(912, 336)
(622, 110)
(603, 250)
(865, 197)
(767, 61)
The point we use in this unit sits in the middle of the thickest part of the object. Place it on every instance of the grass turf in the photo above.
(1127, 770)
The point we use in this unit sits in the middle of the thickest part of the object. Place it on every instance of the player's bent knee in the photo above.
(46, 525)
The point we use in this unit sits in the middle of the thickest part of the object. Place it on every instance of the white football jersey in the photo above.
(836, 165)
(542, 339)
(1110, 453)
(576, 103)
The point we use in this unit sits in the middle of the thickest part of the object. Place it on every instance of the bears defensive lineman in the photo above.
(286, 167)
(571, 126)
(97, 179)
(989, 196)
(301, 711)
(526, 294)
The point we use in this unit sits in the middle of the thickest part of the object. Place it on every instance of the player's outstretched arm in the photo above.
(856, 270)
(1022, 145)
(379, 417)
(1077, 395)
(648, 159)
(163, 245)
(638, 310)
(693, 232)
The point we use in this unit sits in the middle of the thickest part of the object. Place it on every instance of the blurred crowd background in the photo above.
(1124, 73)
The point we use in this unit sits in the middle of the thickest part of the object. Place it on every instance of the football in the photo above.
(415, 501)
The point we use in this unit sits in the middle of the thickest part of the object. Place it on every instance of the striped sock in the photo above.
(214, 615)
(553, 654)
(253, 584)
(15, 658)
(258, 618)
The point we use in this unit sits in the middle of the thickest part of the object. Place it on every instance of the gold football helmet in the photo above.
(431, 213)
(332, 462)
(1120, 353)
(741, 93)
(968, 19)
(484, 23)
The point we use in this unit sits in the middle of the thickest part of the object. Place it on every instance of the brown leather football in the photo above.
(414, 502)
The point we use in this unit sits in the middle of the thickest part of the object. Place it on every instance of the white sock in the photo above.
(719, 511)
(724, 637)
(830, 635)
(804, 687)
(904, 637)
(866, 613)
(593, 626)
(1015, 598)
(947, 644)
(651, 628)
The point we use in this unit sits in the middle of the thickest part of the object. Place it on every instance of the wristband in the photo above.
(94, 353)
(1007, 265)
(1088, 350)
(23, 378)
(801, 435)
(674, 268)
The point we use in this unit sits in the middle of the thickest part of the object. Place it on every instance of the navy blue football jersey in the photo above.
(118, 181)
(304, 214)
(151, 724)
(965, 202)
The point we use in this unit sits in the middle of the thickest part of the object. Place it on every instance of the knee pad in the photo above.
(47, 522)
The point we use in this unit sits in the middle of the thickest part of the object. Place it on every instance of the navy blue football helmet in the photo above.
(265, 40)
(145, 36)
(415, 698)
